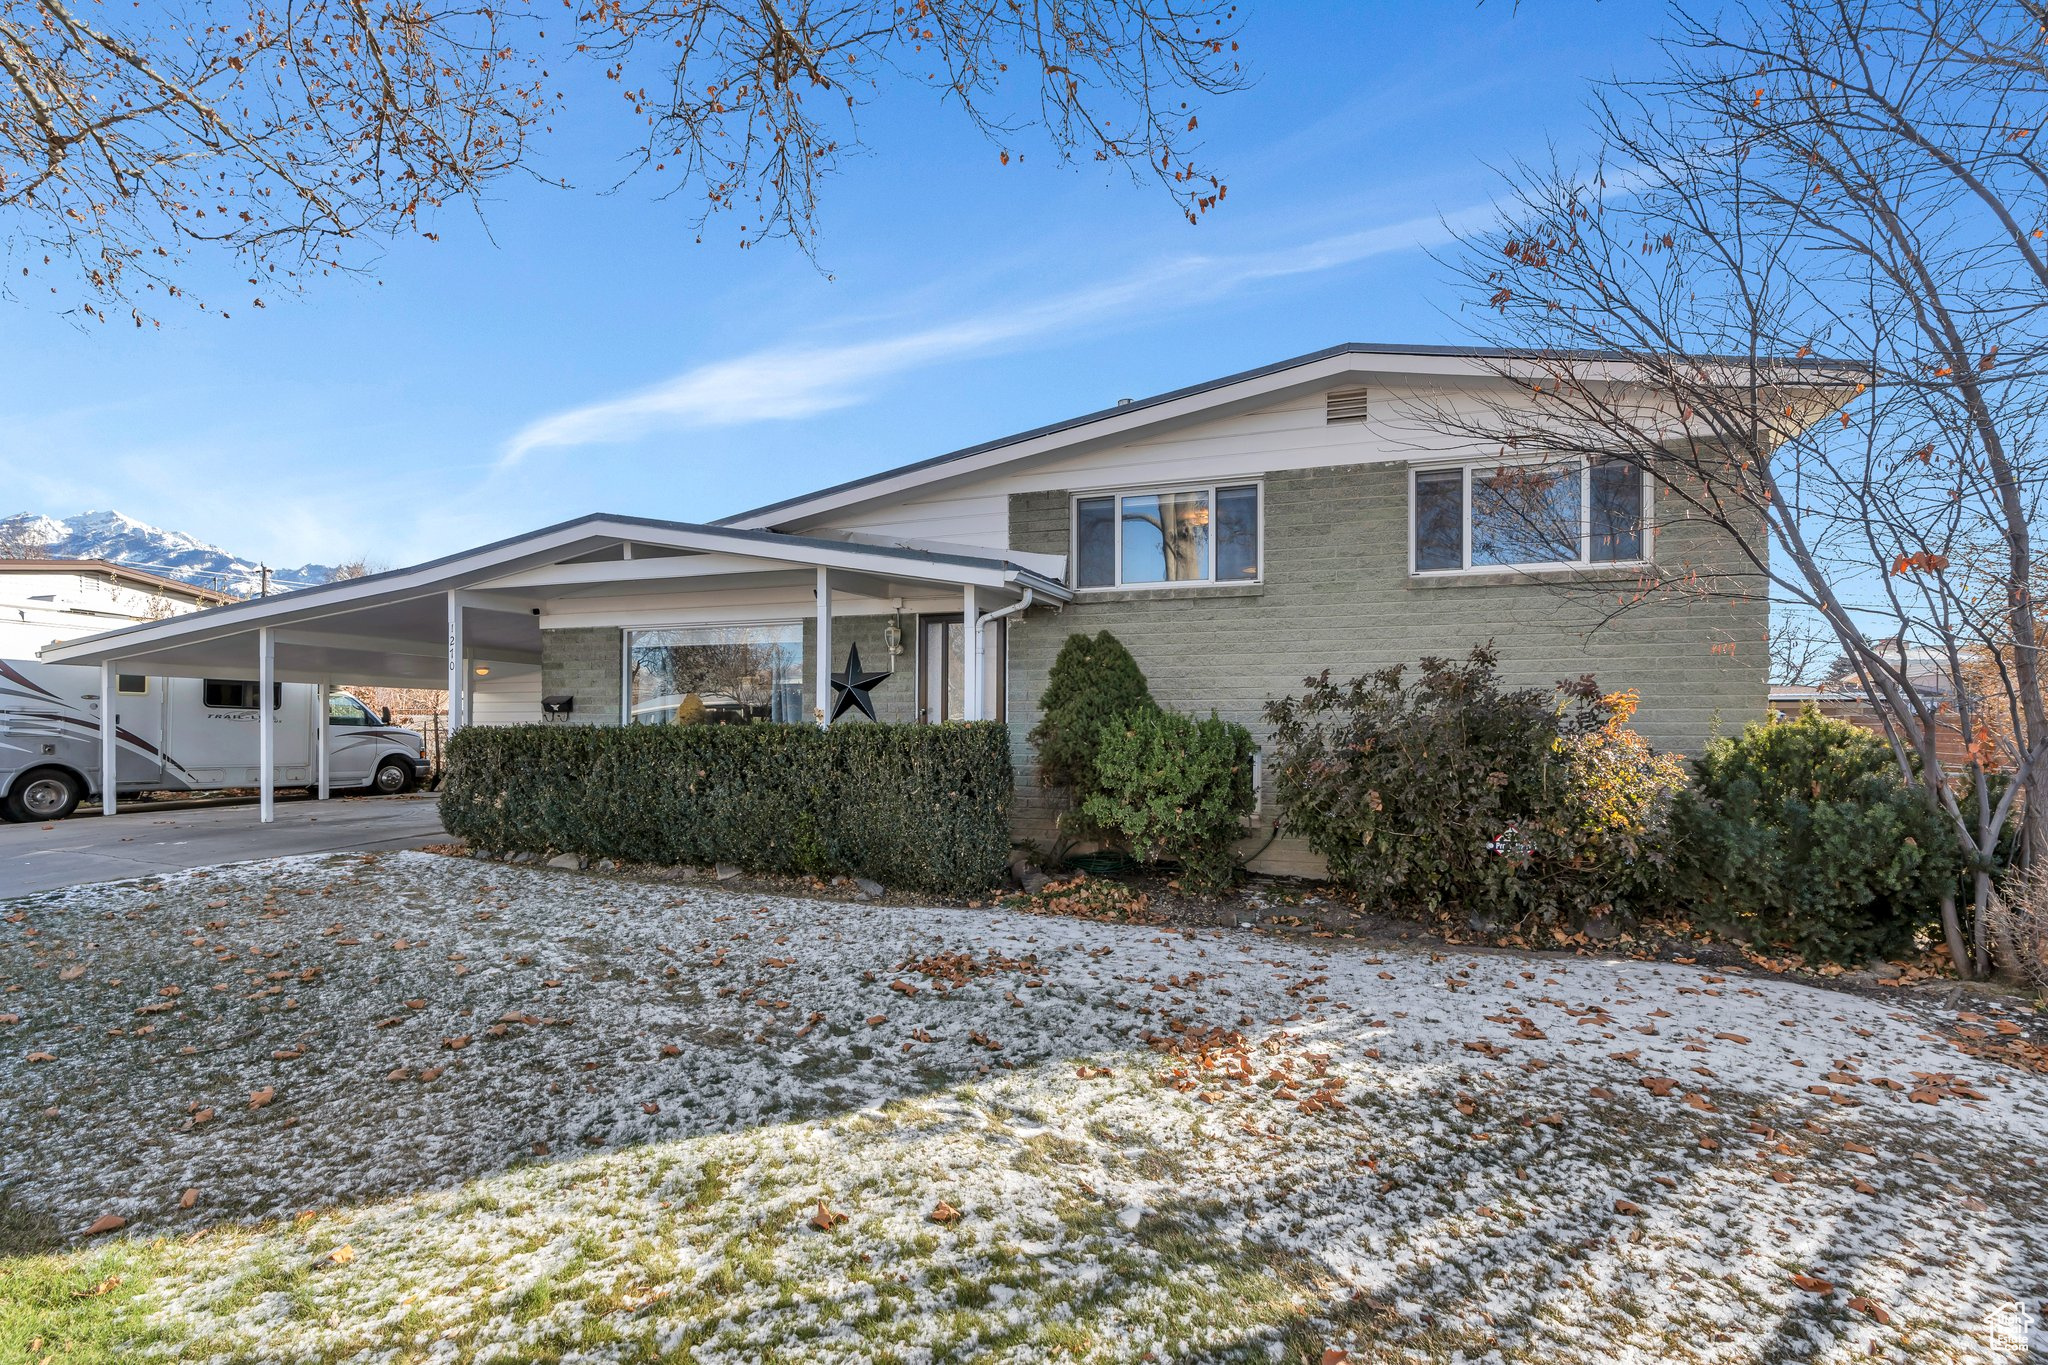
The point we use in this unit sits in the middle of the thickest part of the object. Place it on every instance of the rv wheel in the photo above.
(392, 777)
(44, 794)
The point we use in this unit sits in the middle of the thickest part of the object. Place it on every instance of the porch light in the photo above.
(481, 671)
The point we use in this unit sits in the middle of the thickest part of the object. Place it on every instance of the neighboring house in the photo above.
(45, 600)
(1844, 698)
(1238, 536)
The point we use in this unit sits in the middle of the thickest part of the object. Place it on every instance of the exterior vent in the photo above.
(1345, 405)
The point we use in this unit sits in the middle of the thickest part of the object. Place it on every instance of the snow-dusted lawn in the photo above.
(517, 1114)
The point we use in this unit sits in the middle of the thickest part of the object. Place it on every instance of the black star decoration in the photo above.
(851, 688)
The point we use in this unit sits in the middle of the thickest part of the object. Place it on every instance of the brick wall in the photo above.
(1337, 594)
(895, 699)
(585, 663)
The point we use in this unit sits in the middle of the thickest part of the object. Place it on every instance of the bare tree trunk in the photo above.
(1984, 893)
(1952, 929)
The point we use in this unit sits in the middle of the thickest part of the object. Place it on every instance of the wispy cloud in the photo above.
(781, 383)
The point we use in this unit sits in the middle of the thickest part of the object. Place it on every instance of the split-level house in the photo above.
(1237, 536)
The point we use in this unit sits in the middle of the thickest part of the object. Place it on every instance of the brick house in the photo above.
(1237, 535)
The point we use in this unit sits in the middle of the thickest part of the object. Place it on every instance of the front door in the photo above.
(942, 669)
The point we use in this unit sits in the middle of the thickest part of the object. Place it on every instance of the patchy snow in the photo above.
(524, 1114)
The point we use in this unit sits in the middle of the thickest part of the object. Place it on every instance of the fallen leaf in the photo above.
(944, 1213)
(42, 1056)
(189, 1197)
(259, 1098)
(826, 1218)
(1874, 1311)
(72, 973)
(106, 1222)
(456, 1044)
(342, 1254)
(1624, 1206)
(1813, 1285)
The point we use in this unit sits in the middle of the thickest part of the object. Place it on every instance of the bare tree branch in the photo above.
(288, 136)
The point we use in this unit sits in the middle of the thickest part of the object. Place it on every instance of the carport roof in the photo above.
(392, 627)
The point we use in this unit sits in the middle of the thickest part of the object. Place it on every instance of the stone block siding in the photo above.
(1336, 594)
(585, 663)
(588, 664)
(896, 698)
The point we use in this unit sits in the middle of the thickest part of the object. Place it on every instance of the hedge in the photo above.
(925, 807)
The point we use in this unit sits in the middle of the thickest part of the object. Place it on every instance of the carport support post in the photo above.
(970, 655)
(824, 665)
(320, 714)
(266, 726)
(109, 751)
(458, 685)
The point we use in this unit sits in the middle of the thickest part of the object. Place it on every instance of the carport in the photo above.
(437, 624)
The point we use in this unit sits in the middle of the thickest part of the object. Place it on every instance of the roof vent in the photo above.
(1123, 402)
(1344, 405)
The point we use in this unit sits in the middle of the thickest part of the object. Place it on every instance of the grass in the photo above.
(1121, 1193)
(64, 1305)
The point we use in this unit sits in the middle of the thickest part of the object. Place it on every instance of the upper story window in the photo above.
(1528, 514)
(1167, 537)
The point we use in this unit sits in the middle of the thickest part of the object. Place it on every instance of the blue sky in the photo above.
(585, 354)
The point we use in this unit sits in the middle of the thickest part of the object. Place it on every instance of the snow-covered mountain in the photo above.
(124, 540)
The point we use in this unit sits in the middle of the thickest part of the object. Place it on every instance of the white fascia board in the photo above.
(1109, 428)
(1126, 423)
(489, 565)
(313, 604)
(1049, 566)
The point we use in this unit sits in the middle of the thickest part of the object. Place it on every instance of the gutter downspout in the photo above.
(983, 618)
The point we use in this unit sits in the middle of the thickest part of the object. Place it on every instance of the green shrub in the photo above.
(1801, 835)
(1177, 789)
(918, 806)
(1449, 793)
(1093, 683)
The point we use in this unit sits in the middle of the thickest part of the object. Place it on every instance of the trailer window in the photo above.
(239, 695)
(131, 684)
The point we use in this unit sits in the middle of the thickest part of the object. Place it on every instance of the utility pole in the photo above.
(263, 581)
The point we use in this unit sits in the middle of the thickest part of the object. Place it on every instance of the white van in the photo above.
(180, 734)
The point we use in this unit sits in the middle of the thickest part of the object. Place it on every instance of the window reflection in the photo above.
(715, 674)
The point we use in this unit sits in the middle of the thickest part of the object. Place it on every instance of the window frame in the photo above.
(122, 689)
(626, 634)
(255, 690)
(1583, 563)
(1209, 487)
(996, 660)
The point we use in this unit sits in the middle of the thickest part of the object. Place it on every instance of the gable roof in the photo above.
(1130, 418)
(479, 567)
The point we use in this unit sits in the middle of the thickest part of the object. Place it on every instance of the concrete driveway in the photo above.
(97, 848)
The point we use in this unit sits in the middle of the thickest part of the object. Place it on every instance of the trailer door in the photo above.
(137, 707)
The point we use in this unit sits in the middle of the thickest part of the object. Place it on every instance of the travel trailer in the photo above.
(180, 734)
(173, 734)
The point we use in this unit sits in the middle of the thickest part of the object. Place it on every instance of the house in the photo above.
(1237, 535)
(45, 600)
